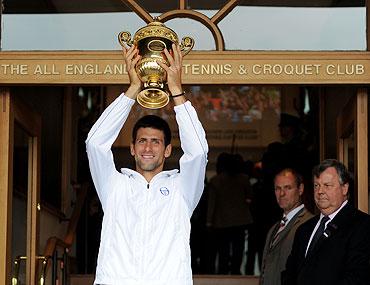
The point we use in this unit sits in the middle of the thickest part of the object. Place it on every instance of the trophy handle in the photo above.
(187, 43)
(124, 38)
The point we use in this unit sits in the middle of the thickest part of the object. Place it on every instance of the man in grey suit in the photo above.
(289, 188)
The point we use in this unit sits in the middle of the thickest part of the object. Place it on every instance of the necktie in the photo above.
(281, 227)
(320, 230)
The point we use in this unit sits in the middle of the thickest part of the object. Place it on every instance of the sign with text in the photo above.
(198, 68)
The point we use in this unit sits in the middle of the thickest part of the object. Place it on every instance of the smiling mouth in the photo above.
(147, 156)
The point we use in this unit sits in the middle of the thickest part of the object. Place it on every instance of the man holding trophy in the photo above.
(146, 224)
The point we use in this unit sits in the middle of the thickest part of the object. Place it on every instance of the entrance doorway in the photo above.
(24, 129)
(311, 105)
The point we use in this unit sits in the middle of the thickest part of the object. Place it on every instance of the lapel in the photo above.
(296, 218)
(340, 221)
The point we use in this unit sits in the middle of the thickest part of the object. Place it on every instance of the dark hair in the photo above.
(154, 122)
(297, 176)
(343, 173)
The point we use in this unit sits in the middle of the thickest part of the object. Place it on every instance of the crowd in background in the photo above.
(238, 207)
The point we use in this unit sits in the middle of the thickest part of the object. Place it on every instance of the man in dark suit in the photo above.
(332, 248)
(289, 188)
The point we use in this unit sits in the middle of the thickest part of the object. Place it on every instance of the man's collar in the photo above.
(293, 212)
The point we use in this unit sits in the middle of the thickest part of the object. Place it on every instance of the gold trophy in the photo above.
(151, 40)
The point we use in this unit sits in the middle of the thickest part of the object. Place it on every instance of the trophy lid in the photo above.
(155, 29)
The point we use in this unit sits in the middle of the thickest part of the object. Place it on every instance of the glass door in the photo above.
(25, 176)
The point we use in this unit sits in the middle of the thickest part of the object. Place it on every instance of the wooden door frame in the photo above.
(12, 110)
(6, 169)
(29, 58)
(353, 118)
(6, 137)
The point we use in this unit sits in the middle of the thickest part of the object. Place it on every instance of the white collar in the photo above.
(293, 212)
(131, 172)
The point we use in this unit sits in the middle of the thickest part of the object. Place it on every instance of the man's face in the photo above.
(287, 192)
(149, 151)
(328, 192)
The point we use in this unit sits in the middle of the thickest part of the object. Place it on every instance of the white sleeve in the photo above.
(99, 142)
(194, 160)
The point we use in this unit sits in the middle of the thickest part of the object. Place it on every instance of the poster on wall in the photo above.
(240, 116)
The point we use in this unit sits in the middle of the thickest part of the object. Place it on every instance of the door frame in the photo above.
(6, 168)
(11, 111)
(353, 120)
(61, 61)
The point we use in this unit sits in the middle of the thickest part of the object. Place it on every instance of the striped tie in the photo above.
(281, 227)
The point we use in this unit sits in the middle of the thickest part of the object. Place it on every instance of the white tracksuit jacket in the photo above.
(146, 226)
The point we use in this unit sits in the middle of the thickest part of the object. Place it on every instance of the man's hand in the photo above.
(132, 56)
(174, 72)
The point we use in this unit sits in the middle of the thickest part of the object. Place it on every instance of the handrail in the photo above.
(66, 243)
(69, 237)
(53, 243)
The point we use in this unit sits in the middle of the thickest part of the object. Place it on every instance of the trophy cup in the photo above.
(151, 40)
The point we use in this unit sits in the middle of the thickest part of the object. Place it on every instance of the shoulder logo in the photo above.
(164, 191)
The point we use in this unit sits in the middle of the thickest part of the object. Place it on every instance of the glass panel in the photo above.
(200, 33)
(270, 28)
(324, 27)
(350, 145)
(20, 190)
(67, 31)
(48, 103)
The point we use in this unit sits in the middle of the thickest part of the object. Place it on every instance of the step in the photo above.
(78, 279)
(225, 280)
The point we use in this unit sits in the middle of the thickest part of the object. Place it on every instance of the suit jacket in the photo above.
(227, 206)
(341, 258)
(276, 255)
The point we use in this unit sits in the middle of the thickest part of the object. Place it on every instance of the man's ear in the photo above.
(301, 189)
(345, 188)
(167, 151)
(132, 149)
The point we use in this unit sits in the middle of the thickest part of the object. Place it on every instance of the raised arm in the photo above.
(194, 160)
(99, 142)
(106, 129)
(192, 136)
